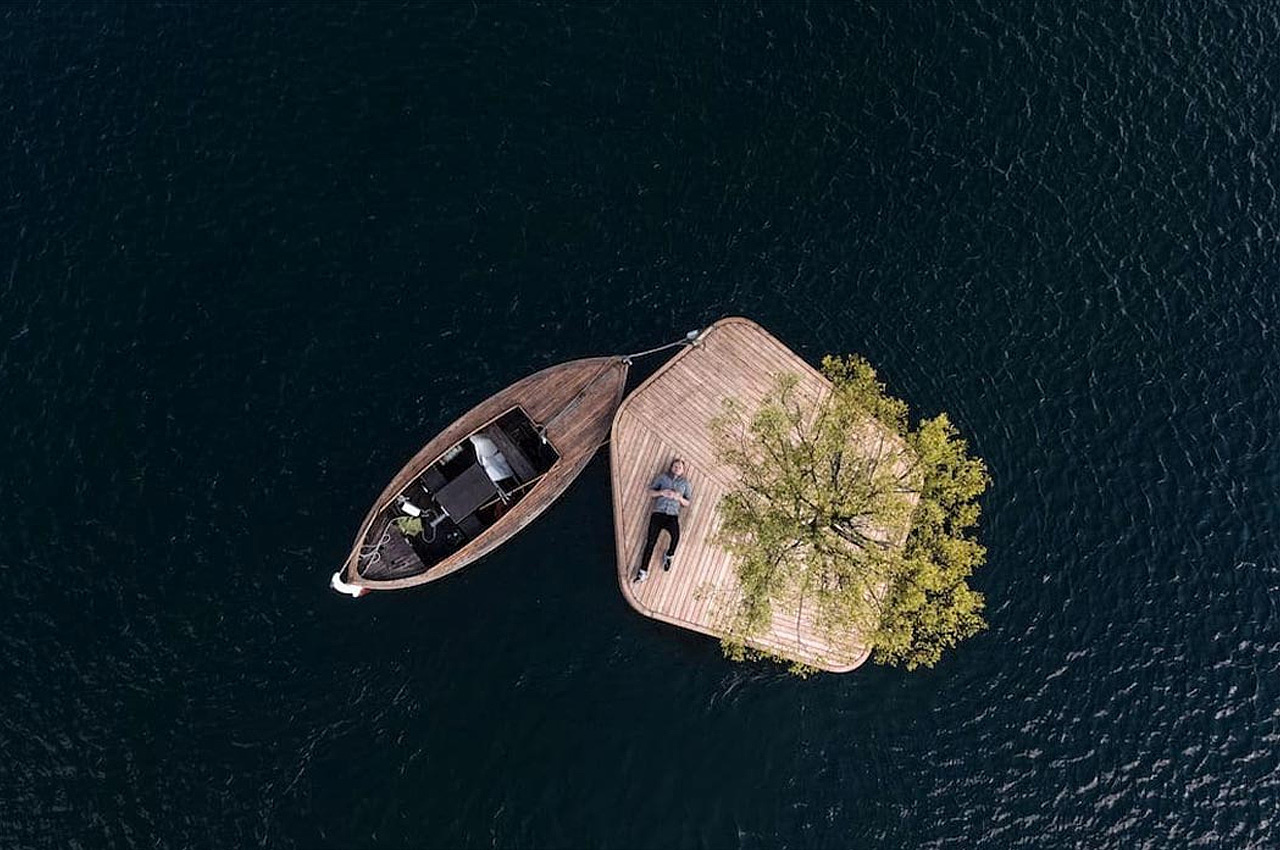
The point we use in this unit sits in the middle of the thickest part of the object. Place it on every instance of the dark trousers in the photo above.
(669, 523)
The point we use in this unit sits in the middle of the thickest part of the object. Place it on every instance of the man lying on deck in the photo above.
(670, 491)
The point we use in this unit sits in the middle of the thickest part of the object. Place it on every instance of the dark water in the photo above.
(252, 258)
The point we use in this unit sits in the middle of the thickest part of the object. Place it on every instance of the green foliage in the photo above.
(930, 606)
(409, 525)
(844, 513)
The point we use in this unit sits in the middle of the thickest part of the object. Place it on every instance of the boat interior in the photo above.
(456, 497)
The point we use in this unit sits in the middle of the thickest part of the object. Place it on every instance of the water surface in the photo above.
(255, 257)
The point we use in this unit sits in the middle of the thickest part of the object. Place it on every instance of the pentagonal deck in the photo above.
(669, 415)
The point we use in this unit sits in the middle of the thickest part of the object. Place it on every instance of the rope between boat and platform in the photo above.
(692, 338)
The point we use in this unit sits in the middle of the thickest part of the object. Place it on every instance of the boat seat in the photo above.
(471, 525)
(516, 459)
(433, 479)
(491, 458)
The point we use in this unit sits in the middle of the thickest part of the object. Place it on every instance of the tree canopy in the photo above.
(845, 515)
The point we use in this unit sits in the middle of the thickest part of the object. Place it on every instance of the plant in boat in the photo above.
(409, 526)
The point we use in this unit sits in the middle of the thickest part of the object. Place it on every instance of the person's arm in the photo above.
(656, 492)
(672, 494)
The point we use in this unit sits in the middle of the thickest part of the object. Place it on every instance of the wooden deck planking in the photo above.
(704, 571)
(636, 481)
(669, 415)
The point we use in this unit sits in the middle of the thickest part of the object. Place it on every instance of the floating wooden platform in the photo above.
(669, 416)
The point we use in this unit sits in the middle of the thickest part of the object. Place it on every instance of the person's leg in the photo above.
(651, 540)
(672, 525)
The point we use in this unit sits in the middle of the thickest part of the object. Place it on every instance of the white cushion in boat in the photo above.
(495, 465)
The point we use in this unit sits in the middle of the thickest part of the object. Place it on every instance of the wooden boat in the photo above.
(486, 476)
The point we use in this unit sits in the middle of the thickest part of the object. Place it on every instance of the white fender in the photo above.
(355, 591)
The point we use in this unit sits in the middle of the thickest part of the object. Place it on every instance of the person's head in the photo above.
(677, 467)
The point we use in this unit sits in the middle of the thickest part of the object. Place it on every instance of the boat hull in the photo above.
(573, 401)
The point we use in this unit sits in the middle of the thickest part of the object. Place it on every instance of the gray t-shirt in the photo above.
(663, 505)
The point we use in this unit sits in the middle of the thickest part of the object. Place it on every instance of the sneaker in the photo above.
(666, 562)
(640, 576)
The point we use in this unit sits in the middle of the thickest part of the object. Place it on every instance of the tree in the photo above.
(844, 514)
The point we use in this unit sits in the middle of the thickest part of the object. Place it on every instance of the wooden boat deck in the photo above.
(669, 416)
